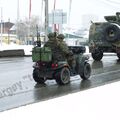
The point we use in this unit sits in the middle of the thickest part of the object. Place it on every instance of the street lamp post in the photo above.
(46, 19)
(1, 28)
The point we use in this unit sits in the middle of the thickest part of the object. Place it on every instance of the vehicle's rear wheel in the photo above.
(86, 71)
(118, 55)
(63, 76)
(37, 78)
(97, 55)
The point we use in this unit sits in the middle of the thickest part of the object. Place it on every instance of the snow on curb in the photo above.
(27, 48)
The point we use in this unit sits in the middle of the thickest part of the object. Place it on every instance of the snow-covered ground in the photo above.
(28, 48)
(100, 103)
(12, 46)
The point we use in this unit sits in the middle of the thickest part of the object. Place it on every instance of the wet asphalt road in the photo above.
(17, 86)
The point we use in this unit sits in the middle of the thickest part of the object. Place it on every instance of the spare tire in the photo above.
(112, 32)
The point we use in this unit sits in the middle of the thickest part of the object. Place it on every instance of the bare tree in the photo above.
(26, 29)
(21, 30)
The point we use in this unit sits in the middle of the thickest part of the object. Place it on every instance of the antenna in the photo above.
(38, 37)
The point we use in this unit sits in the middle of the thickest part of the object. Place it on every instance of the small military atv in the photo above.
(46, 69)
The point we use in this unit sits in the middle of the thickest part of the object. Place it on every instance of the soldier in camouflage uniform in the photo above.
(63, 46)
(60, 49)
(54, 44)
(66, 52)
(51, 41)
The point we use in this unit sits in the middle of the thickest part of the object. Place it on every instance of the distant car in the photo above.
(105, 37)
(45, 68)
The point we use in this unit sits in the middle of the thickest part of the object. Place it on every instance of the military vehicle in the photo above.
(46, 69)
(105, 37)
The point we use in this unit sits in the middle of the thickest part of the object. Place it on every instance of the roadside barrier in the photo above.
(12, 53)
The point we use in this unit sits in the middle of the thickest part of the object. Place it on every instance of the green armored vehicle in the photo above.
(105, 37)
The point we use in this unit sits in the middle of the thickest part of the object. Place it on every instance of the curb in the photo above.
(27, 55)
(21, 53)
(12, 53)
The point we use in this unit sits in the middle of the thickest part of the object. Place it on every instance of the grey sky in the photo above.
(79, 7)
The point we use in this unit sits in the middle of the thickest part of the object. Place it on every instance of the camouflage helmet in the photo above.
(55, 34)
(60, 36)
(51, 35)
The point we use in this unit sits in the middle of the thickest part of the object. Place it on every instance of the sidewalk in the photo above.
(27, 48)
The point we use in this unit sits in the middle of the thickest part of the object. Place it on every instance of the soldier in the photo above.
(63, 46)
(54, 44)
(60, 49)
(52, 40)
(66, 52)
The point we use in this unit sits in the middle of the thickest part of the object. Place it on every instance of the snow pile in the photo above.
(12, 46)
(87, 49)
(27, 48)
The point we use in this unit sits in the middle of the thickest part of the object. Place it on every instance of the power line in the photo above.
(115, 2)
(110, 2)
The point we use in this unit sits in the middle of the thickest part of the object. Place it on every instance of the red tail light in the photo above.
(54, 65)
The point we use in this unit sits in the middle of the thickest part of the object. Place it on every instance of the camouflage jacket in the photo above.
(57, 50)
(64, 48)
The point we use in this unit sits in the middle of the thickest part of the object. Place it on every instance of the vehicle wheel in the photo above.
(63, 76)
(37, 78)
(118, 55)
(97, 55)
(111, 33)
(86, 71)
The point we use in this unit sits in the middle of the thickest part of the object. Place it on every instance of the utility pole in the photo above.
(18, 11)
(70, 4)
(46, 19)
(18, 19)
(29, 9)
(54, 24)
(1, 27)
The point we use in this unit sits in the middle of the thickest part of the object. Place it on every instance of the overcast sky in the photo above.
(79, 7)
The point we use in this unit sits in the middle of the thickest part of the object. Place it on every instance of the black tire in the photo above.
(86, 71)
(97, 55)
(63, 76)
(37, 78)
(118, 55)
(112, 33)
